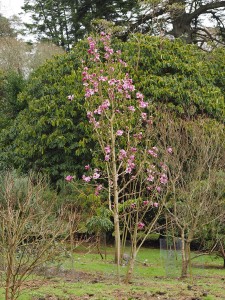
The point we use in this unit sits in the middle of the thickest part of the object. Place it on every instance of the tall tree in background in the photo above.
(195, 21)
(64, 22)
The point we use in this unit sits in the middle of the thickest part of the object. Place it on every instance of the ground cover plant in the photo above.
(94, 278)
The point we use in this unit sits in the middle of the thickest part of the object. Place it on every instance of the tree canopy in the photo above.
(201, 22)
(66, 22)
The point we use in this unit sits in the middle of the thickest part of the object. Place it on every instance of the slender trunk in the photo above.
(130, 270)
(105, 245)
(7, 288)
(116, 202)
(98, 241)
(185, 256)
(124, 238)
(9, 275)
(117, 238)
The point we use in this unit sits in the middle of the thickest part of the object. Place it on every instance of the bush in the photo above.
(52, 134)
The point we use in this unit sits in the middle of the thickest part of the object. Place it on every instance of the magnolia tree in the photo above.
(131, 167)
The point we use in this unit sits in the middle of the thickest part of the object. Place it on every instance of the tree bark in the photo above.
(185, 259)
(130, 270)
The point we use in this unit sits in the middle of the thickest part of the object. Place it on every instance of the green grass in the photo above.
(96, 278)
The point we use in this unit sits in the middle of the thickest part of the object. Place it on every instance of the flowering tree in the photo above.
(130, 165)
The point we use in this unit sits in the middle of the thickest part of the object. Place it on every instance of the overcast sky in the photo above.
(10, 7)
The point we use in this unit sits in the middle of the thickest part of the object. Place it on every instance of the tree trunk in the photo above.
(117, 238)
(182, 28)
(130, 270)
(185, 257)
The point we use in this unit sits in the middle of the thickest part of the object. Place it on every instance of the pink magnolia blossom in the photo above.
(86, 178)
(122, 154)
(170, 150)
(103, 78)
(70, 97)
(96, 175)
(144, 116)
(109, 50)
(127, 85)
(89, 93)
(96, 124)
(107, 149)
(98, 189)
(138, 136)
(128, 170)
(143, 104)
(131, 108)
(139, 95)
(119, 132)
(149, 122)
(164, 166)
(152, 153)
(131, 158)
(150, 178)
(133, 149)
(107, 157)
(163, 179)
(123, 62)
(106, 104)
(89, 114)
(146, 202)
(69, 178)
(141, 225)
(158, 189)
(112, 81)
(149, 187)
(87, 167)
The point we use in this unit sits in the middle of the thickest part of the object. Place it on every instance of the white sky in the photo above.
(10, 7)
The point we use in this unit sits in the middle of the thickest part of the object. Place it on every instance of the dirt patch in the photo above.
(158, 288)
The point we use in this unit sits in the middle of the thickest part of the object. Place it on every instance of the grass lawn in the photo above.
(87, 276)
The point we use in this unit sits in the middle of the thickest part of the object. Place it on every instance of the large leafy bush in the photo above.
(51, 134)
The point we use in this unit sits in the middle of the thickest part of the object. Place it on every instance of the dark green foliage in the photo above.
(65, 22)
(187, 80)
(101, 222)
(11, 84)
(50, 135)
